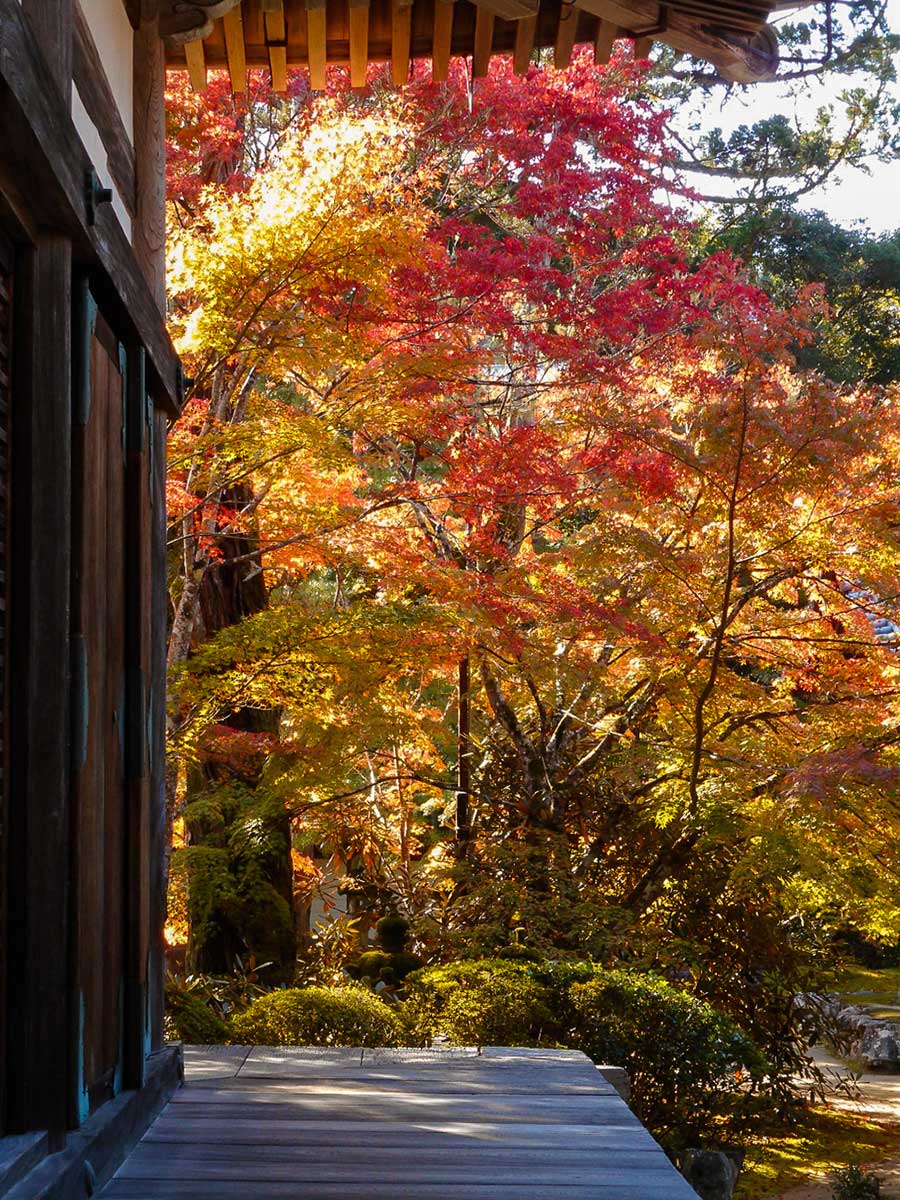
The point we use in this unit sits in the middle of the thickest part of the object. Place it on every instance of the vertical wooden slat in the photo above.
(526, 28)
(642, 47)
(565, 35)
(316, 41)
(42, 1007)
(196, 65)
(442, 40)
(359, 42)
(276, 41)
(159, 839)
(607, 32)
(233, 25)
(138, 651)
(484, 40)
(401, 30)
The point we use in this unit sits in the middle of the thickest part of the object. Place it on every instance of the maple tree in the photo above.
(472, 410)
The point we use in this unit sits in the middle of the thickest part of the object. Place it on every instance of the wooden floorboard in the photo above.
(395, 1125)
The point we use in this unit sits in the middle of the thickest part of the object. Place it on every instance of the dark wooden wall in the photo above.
(88, 368)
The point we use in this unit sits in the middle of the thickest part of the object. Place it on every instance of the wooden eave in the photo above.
(236, 35)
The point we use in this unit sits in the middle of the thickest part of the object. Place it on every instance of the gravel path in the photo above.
(879, 1100)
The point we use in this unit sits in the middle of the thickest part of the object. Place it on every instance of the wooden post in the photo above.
(41, 1004)
(149, 225)
(147, 473)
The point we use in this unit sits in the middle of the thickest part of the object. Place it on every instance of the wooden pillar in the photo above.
(149, 238)
(159, 824)
(41, 1090)
(38, 1070)
(149, 225)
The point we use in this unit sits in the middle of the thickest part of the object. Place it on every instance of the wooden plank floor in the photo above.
(503, 1124)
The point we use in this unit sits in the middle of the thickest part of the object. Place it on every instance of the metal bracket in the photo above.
(94, 194)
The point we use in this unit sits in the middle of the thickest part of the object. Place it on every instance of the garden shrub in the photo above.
(317, 1016)
(483, 1002)
(190, 1019)
(693, 1072)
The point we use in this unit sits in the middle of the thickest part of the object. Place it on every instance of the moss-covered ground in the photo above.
(824, 1139)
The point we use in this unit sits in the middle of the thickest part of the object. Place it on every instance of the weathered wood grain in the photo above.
(38, 128)
(412, 1125)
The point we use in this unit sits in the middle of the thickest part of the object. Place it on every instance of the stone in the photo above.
(712, 1173)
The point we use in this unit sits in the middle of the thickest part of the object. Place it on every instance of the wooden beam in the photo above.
(442, 40)
(484, 41)
(401, 31)
(642, 47)
(607, 32)
(525, 31)
(316, 43)
(510, 10)
(196, 65)
(52, 26)
(43, 143)
(235, 49)
(740, 57)
(565, 35)
(359, 42)
(276, 43)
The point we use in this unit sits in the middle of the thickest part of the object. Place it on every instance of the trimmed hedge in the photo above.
(190, 1019)
(692, 1070)
(694, 1073)
(317, 1016)
(482, 1002)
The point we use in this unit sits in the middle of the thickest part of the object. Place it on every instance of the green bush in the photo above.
(484, 1002)
(693, 1072)
(856, 1183)
(317, 1016)
(190, 1019)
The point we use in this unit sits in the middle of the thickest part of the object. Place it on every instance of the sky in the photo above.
(852, 195)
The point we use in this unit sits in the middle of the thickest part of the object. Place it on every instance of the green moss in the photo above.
(822, 1140)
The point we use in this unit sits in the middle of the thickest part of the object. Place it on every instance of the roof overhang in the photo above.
(733, 35)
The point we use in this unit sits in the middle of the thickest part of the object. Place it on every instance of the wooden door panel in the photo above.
(99, 785)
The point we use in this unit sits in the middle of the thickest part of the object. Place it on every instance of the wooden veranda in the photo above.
(312, 1124)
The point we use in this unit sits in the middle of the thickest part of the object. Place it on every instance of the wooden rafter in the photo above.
(525, 31)
(565, 35)
(442, 39)
(276, 42)
(196, 65)
(730, 34)
(316, 43)
(234, 46)
(401, 30)
(607, 33)
(484, 40)
(359, 42)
